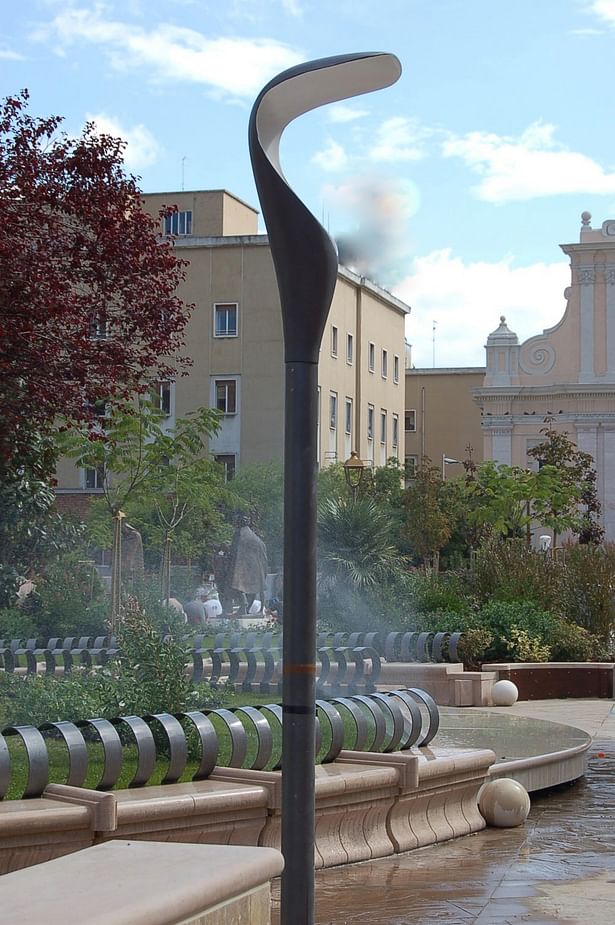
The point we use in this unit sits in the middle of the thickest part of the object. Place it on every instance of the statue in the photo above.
(247, 568)
(132, 553)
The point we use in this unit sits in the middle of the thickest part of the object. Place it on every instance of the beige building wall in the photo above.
(234, 338)
(442, 419)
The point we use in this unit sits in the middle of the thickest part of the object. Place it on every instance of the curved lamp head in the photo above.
(304, 256)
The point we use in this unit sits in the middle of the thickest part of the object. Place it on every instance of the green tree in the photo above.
(428, 525)
(497, 499)
(32, 532)
(136, 455)
(566, 496)
(354, 546)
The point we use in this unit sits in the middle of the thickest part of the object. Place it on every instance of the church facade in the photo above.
(565, 376)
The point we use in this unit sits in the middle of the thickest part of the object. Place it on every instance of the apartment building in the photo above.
(234, 337)
(442, 420)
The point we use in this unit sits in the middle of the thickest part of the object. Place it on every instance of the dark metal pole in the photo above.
(305, 261)
(299, 646)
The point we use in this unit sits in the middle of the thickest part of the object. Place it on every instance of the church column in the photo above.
(608, 484)
(501, 444)
(586, 277)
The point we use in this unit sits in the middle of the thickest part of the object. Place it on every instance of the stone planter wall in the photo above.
(556, 680)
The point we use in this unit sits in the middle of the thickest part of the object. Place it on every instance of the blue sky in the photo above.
(463, 177)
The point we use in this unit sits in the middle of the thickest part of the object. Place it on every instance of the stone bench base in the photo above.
(368, 805)
(449, 684)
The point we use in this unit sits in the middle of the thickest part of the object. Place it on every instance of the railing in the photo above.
(377, 722)
(250, 662)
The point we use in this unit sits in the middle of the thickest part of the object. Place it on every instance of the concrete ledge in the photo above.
(144, 883)
(36, 830)
(449, 684)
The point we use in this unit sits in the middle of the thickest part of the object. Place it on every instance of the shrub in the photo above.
(500, 618)
(68, 600)
(40, 699)
(16, 624)
(473, 645)
(440, 592)
(512, 571)
(589, 589)
(523, 647)
(572, 643)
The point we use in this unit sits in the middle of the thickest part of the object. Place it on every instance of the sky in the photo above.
(454, 187)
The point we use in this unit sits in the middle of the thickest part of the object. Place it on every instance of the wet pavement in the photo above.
(558, 867)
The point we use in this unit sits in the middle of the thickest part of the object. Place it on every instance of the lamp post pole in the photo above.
(305, 261)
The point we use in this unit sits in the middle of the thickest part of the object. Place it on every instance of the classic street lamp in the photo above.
(305, 261)
(354, 470)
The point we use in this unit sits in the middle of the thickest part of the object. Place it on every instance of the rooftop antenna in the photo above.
(433, 342)
(184, 159)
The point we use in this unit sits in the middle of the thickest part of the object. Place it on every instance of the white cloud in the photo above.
(527, 167)
(467, 299)
(604, 9)
(236, 66)
(292, 7)
(332, 158)
(7, 54)
(399, 139)
(340, 112)
(142, 149)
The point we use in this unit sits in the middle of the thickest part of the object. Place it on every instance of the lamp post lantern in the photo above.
(354, 470)
(305, 262)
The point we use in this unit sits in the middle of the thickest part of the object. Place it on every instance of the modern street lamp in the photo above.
(354, 470)
(447, 461)
(305, 261)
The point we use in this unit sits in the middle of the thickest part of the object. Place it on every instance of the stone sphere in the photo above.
(504, 693)
(504, 803)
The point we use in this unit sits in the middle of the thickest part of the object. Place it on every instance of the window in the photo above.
(370, 422)
(383, 427)
(349, 349)
(94, 479)
(333, 341)
(395, 438)
(395, 368)
(385, 364)
(410, 421)
(225, 319)
(333, 410)
(411, 464)
(227, 461)
(226, 396)
(178, 223)
(371, 357)
(348, 416)
(162, 397)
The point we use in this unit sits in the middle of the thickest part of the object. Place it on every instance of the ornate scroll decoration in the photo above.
(536, 357)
